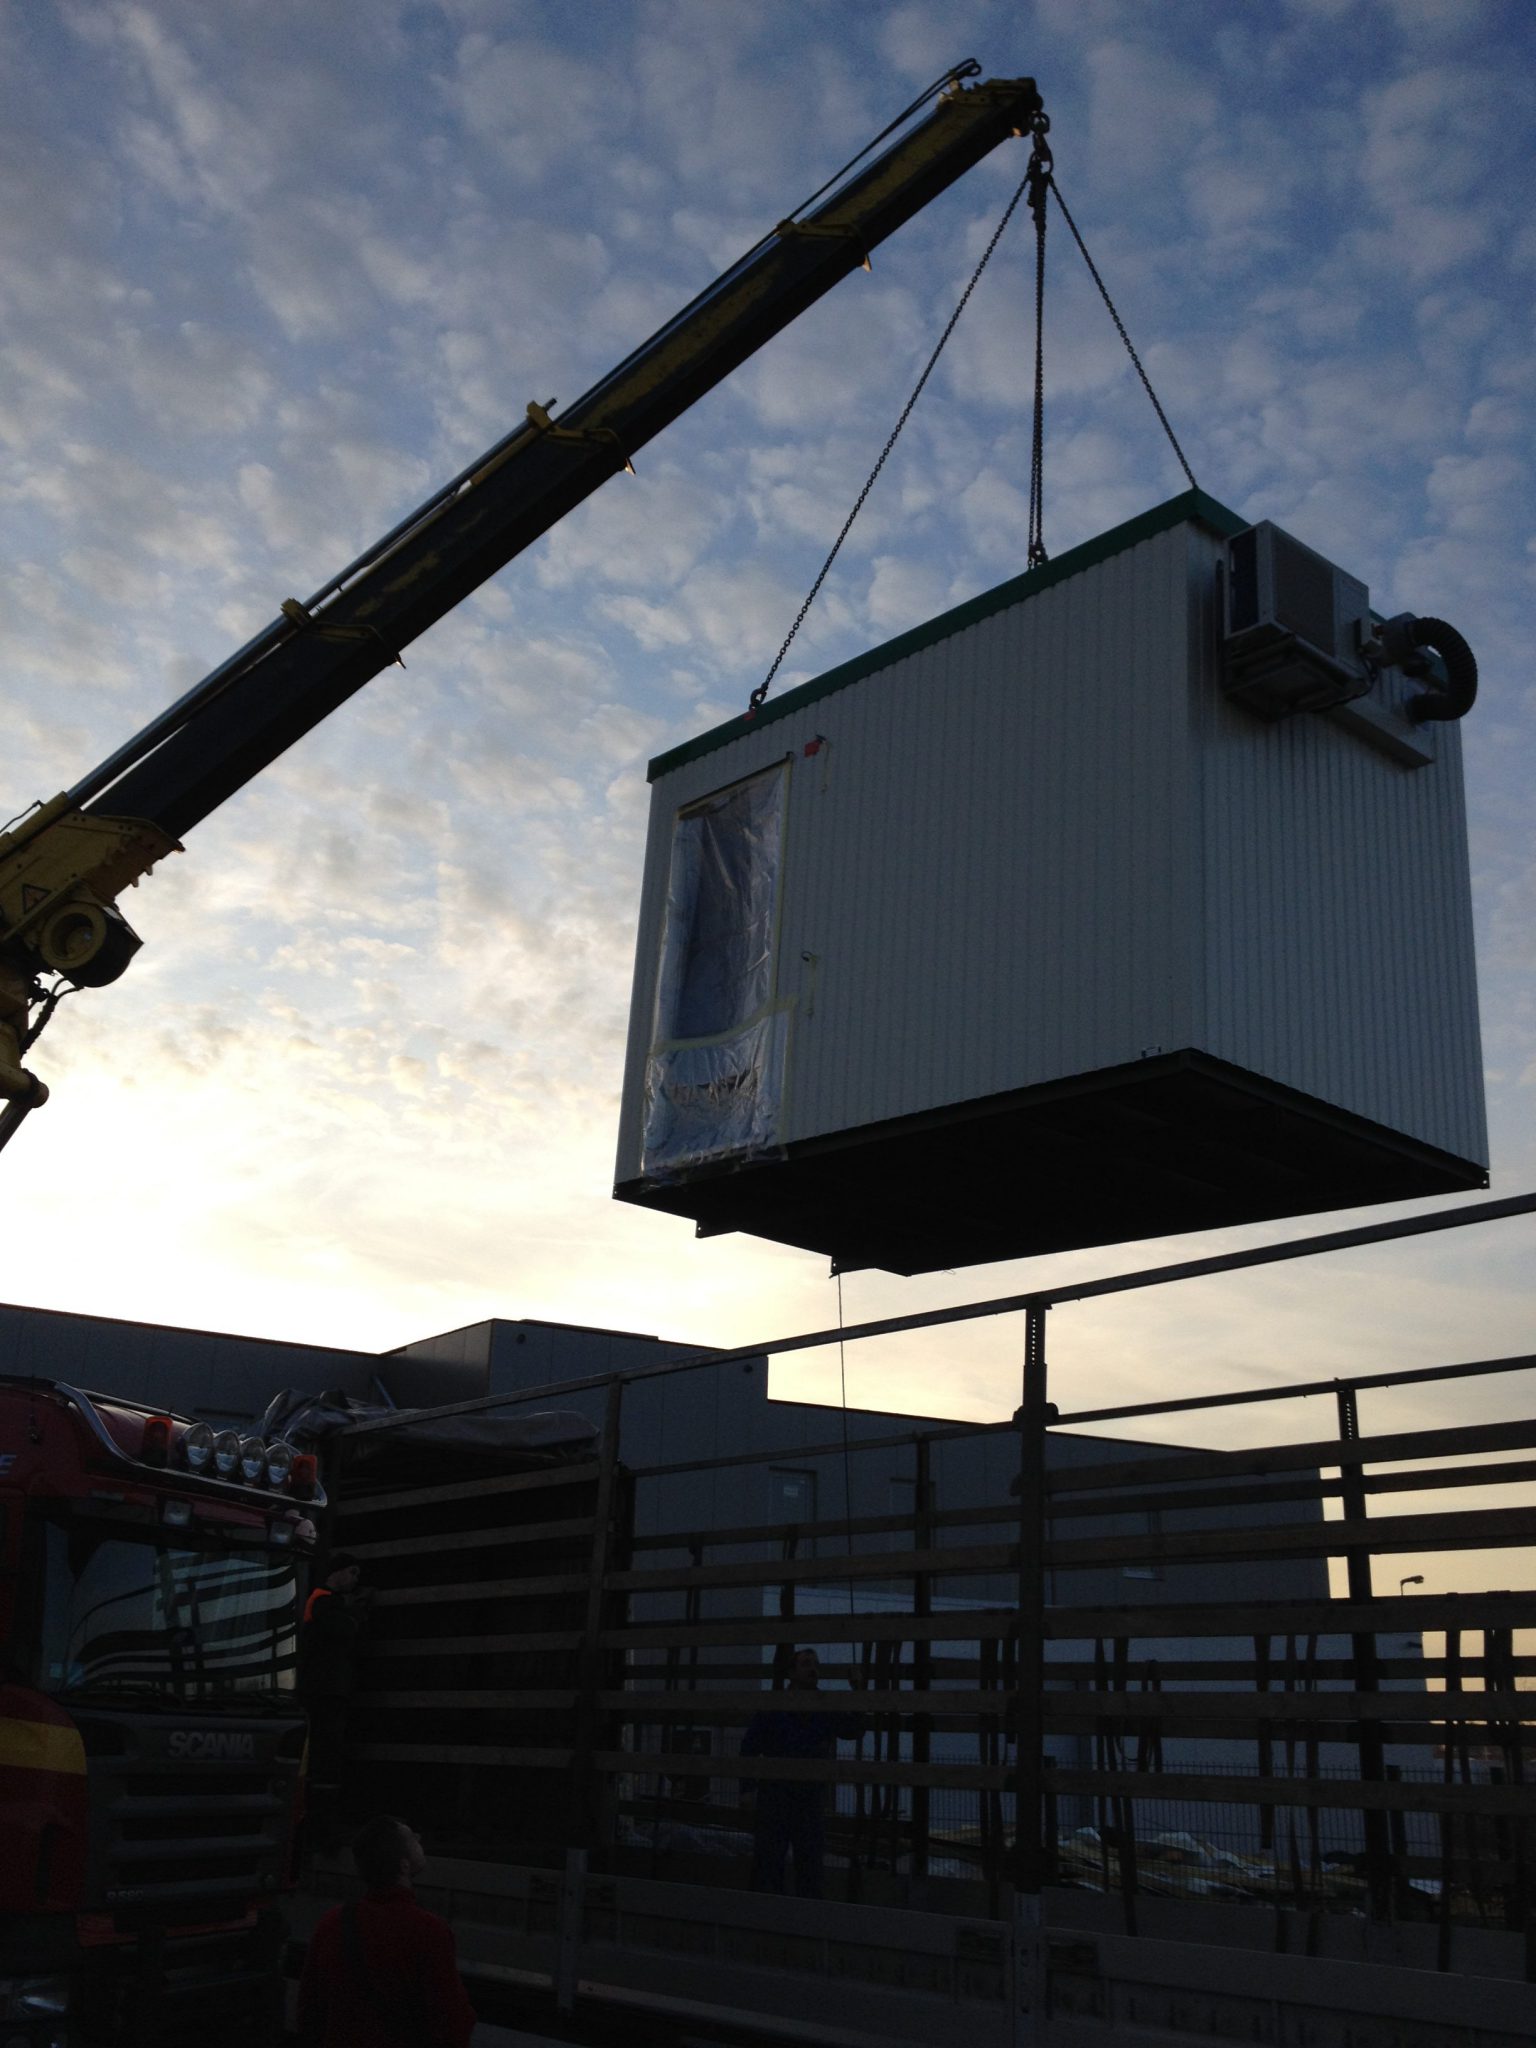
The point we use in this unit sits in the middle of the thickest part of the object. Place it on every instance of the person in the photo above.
(789, 1815)
(382, 1972)
(335, 1618)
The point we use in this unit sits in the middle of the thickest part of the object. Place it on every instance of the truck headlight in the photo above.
(197, 1447)
(44, 1996)
(33, 1997)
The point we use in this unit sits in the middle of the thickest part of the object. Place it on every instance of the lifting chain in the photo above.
(755, 701)
(1038, 179)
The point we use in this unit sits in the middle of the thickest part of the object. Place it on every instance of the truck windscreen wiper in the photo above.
(266, 1702)
(117, 1688)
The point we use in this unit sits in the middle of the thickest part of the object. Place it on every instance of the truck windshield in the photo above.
(186, 1620)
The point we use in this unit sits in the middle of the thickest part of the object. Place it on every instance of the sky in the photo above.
(270, 272)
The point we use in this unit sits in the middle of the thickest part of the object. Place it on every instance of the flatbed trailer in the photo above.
(637, 1960)
(1111, 1787)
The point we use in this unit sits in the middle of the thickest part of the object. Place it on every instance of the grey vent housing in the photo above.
(1295, 623)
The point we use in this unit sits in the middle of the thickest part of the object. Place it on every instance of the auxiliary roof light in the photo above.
(197, 1447)
(253, 1460)
(155, 1445)
(226, 1453)
(305, 1475)
(279, 1462)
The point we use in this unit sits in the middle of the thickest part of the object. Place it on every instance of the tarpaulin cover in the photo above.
(714, 1079)
(709, 1102)
(310, 1418)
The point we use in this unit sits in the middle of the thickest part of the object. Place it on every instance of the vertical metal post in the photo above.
(1029, 1628)
(1367, 1671)
(1028, 1716)
(568, 1929)
(922, 1654)
(586, 1828)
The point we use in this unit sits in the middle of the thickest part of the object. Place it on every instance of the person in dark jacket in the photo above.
(382, 1973)
(789, 1816)
(330, 1636)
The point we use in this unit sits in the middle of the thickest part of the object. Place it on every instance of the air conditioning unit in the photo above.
(1294, 627)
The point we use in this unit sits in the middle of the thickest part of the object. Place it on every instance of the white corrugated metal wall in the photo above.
(1337, 913)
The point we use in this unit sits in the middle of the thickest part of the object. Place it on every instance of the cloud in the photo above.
(305, 272)
(198, 146)
(534, 105)
(1418, 145)
(1140, 95)
(903, 592)
(197, 380)
(717, 110)
(648, 531)
(1428, 174)
(861, 347)
(655, 626)
(921, 42)
(735, 615)
(996, 514)
(1478, 493)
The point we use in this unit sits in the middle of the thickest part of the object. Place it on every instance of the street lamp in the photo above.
(1416, 1580)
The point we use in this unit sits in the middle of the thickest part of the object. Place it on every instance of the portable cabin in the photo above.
(1125, 899)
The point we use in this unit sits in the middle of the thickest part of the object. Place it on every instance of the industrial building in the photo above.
(676, 1431)
(671, 1420)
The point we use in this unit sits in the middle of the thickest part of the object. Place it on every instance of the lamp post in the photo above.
(1416, 1580)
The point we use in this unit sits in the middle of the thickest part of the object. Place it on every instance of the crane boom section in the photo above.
(62, 866)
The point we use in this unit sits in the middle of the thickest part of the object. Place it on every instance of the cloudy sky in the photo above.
(270, 271)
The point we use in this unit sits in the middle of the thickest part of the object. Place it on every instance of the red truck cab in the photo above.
(151, 1741)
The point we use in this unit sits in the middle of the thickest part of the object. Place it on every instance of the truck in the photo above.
(151, 1743)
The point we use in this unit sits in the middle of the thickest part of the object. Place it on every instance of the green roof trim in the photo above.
(1189, 505)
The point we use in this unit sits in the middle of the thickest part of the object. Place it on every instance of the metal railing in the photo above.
(1181, 1672)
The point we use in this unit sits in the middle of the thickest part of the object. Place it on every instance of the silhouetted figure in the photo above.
(330, 1637)
(382, 1973)
(789, 1819)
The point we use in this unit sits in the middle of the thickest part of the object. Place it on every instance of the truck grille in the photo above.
(216, 1833)
(191, 1839)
